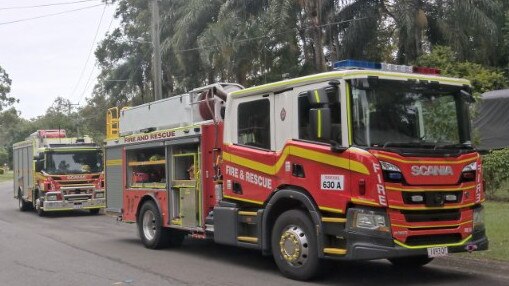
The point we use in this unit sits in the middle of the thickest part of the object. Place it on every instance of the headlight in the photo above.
(468, 172)
(51, 197)
(470, 167)
(391, 172)
(478, 217)
(99, 195)
(386, 166)
(370, 220)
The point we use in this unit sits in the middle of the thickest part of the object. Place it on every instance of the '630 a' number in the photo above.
(332, 182)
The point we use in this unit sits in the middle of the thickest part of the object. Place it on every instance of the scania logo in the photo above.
(432, 171)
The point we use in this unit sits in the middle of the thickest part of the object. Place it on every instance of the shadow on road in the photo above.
(337, 273)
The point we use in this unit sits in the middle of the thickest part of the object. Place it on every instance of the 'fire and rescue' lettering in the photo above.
(149, 137)
(249, 177)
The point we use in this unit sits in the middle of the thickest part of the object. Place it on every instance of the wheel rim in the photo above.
(294, 246)
(20, 202)
(149, 225)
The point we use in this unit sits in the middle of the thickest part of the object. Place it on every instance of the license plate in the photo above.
(437, 251)
(77, 206)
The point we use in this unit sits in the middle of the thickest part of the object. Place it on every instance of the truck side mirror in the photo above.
(39, 165)
(467, 96)
(319, 121)
(317, 97)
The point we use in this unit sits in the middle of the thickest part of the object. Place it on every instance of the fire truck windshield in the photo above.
(392, 113)
(76, 162)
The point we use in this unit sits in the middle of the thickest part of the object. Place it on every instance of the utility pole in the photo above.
(156, 60)
(69, 109)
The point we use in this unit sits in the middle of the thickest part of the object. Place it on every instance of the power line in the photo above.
(95, 64)
(45, 5)
(267, 36)
(89, 53)
(49, 15)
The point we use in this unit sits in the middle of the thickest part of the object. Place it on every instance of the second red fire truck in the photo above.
(370, 161)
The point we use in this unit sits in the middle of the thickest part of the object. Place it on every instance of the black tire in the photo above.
(22, 204)
(151, 230)
(298, 259)
(94, 211)
(410, 262)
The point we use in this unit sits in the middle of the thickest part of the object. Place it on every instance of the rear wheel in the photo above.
(94, 211)
(22, 204)
(151, 230)
(294, 246)
(411, 261)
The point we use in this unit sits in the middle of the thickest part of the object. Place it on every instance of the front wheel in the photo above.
(294, 246)
(411, 261)
(94, 211)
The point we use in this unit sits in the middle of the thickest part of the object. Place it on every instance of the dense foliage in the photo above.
(496, 166)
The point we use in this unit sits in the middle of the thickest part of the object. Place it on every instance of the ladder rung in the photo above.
(250, 239)
(335, 251)
(247, 213)
(334, 219)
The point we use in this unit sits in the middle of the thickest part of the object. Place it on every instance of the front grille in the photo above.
(77, 197)
(433, 215)
(433, 239)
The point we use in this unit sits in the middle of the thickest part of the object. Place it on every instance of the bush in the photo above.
(496, 171)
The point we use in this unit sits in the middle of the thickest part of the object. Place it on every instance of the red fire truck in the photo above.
(369, 161)
(53, 172)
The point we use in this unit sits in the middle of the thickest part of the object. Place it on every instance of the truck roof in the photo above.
(345, 74)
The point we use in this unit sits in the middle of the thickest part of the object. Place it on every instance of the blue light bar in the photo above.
(355, 64)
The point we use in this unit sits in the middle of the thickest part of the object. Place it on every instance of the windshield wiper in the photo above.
(406, 144)
(453, 146)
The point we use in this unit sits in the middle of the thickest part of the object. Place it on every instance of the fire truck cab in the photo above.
(53, 172)
(370, 161)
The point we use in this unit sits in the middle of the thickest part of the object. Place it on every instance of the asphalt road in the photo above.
(82, 249)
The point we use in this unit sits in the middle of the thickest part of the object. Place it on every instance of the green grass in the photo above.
(497, 228)
(6, 177)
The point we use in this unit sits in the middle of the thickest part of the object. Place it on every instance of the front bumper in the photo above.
(74, 205)
(365, 247)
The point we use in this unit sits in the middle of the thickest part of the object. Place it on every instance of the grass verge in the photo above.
(497, 228)
(6, 177)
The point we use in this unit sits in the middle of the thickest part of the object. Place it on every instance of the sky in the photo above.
(47, 57)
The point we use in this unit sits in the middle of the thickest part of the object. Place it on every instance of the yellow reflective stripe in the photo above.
(243, 200)
(116, 162)
(246, 213)
(432, 245)
(317, 97)
(335, 251)
(365, 202)
(301, 153)
(431, 208)
(332, 210)
(334, 219)
(71, 209)
(431, 226)
(431, 189)
(72, 149)
(349, 74)
(247, 239)
(319, 134)
(470, 160)
(349, 114)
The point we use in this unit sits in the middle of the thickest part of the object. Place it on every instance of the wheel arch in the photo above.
(286, 198)
(146, 198)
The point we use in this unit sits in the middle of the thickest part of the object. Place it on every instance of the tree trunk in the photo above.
(314, 8)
